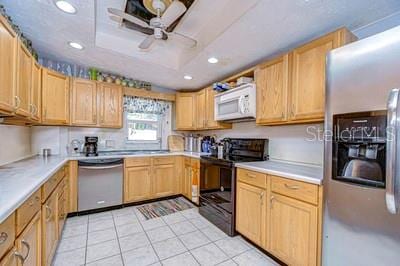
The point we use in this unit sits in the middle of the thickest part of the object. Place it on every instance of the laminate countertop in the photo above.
(301, 172)
(19, 180)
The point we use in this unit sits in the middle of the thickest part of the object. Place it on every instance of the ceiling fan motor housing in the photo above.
(158, 5)
(158, 34)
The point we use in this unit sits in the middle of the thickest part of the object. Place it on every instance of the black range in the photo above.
(218, 180)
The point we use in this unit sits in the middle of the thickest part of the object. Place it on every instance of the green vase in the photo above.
(93, 72)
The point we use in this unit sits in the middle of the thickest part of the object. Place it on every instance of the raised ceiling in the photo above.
(239, 33)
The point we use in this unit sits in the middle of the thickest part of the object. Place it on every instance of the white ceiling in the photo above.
(240, 33)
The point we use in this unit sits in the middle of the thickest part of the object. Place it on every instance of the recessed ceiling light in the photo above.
(187, 77)
(76, 45)
(65, 6)
(212, 60)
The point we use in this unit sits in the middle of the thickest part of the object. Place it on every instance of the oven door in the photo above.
(217, 194)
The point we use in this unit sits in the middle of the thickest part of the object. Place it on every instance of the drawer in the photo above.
(50, 185)
(164, 160)
(27, 211)
(7, 234)
(132, 162)
(252, 178)
(295, 189)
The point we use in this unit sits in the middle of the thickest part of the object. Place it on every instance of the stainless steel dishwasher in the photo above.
(99, 183)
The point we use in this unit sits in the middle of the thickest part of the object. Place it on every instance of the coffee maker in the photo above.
(91, 146)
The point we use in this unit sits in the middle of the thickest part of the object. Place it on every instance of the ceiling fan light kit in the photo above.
(167, 12)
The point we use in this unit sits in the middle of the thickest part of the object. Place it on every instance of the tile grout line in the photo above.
(119, 244)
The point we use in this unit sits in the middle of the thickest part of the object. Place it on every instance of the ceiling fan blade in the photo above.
(147, 42)
(116, 19)
(128, 17)
(185, 40)
(173, 12)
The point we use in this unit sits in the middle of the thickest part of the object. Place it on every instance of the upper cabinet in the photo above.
(83, 102)
(195, 111)
(8, 60)
(110, 102)
(185, 111)
(36, 92)
(272, 82)
(55, 98)
(24, 81)
(291, 88)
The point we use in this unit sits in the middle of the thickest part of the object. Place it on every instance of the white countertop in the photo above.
(19, 180)
(306, 173)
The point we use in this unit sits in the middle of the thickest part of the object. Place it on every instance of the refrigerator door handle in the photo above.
(392, 118)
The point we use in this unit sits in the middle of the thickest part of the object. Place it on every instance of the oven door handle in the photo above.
(99, 167)
(392, 123)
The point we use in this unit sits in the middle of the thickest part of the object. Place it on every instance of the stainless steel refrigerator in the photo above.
(362, 153)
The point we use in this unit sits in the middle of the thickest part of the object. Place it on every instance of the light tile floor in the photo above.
(125, 237)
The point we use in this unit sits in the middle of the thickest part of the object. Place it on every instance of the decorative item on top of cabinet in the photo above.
(8, 59)
(272, 83)
(36, 92)
(24, 81)
(83, 102)
(185, 111)
(111, 106)
(55, 98)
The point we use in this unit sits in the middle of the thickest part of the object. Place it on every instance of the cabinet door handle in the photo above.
(3, 237)
(271, 201)
(48, 213)
(28, 247)
(17, 102)
(262, 198)
(20, 257)
(251, 175)
(292, 187)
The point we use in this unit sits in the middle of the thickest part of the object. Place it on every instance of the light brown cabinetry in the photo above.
(28, 244)
(210, 122)
(49, 228)
(281, 215)
(191, 176)
(291, 88)
(110, 102)
(165, 181)
(185, 111)
(83, 102)
(201, 109)
(8, 60)
(137, 183)
(272, 82)
(293, 230)
(55, 98)
(251, 212)
(36, 92)
(10, 259)
(7, 234)
(24, 81)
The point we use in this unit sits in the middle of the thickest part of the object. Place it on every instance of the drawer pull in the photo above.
(19, 256)
(251, 175)
(292, 187)
(28, 247)
(3, 237)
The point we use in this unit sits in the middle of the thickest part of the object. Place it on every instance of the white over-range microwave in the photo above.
(237, 104)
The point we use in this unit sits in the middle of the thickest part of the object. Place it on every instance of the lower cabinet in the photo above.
(10, 259)
(49, 228)
(280, 216)
(191, 177)
(165, 181)
(251, 212)
(293, 230)
(137, 183)
(28, 244)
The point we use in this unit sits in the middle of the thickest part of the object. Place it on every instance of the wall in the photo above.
(15, 143)
(294, 143)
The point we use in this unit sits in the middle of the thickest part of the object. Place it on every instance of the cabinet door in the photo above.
(61, 214)
(8, 59)
(55, 98)
(10, 259)
(201, 109)
(308, 78)
(24, 81)
(137, 184)
(36, 92)
(272, 79)
(293, 230)
(164, 180)
(251, 212)
(110, 105)
(49, 228)
(83, 102)
(187, 181)
(185, 111)
(210, 112)
(29, 243)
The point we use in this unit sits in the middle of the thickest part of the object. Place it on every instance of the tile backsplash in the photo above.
(15, 143)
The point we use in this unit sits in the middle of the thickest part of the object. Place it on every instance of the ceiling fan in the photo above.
(157, 28)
